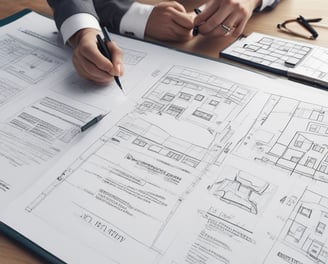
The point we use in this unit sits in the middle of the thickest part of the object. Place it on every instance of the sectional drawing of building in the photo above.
(291, 135)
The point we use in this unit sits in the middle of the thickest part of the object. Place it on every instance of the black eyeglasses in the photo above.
(301, 28)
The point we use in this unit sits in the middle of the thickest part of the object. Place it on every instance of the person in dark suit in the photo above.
(79, 22)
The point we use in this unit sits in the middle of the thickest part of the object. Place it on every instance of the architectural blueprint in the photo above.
(142, 169)
(304, 236)
(41, 113)
(296, 144)
(192, 166)
(23, 64)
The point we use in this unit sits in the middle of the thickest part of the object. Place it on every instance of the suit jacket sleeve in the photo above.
(63, 9)
(108, 12)
(269, 4)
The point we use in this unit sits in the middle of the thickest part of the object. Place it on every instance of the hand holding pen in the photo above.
(195, 30)
(89, 61)
(174, 20)
(224, 17)
(103, 48)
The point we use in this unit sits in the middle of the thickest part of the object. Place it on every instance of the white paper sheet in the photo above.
(202, 163)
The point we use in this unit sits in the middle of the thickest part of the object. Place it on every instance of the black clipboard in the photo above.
(14, 17)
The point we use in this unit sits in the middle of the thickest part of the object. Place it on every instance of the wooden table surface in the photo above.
(265, 22)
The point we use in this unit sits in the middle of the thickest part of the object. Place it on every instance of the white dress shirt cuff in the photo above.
(266, 3)
(134, 21)
(76, 22)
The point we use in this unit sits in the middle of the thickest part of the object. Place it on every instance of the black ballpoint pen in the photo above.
(102, 46)
(197, 11)
(195, 29)
(92, 122)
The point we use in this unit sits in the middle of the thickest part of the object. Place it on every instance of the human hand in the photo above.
(88, 60)
(225, 17)
(169, 21)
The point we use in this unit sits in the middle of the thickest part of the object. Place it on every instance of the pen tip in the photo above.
(117, 80)
(123, 91)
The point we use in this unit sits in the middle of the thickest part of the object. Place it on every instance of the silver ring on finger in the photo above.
(225, 28)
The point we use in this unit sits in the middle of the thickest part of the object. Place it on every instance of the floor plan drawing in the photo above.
(291, 135)
(26, 62)
(22, 65)
(304, 238)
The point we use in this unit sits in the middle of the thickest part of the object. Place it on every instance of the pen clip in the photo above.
(101, 46)
(106, 35)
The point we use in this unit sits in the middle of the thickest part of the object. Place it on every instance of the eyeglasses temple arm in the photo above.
(307, 25)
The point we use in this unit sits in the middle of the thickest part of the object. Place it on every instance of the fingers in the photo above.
(175, 5)
(181, 27)
(238, 30)
(181, 17)
(225, 17)
(117, 59)
(88, 70)
(208, 12)
(90, 63)
(176, 23)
